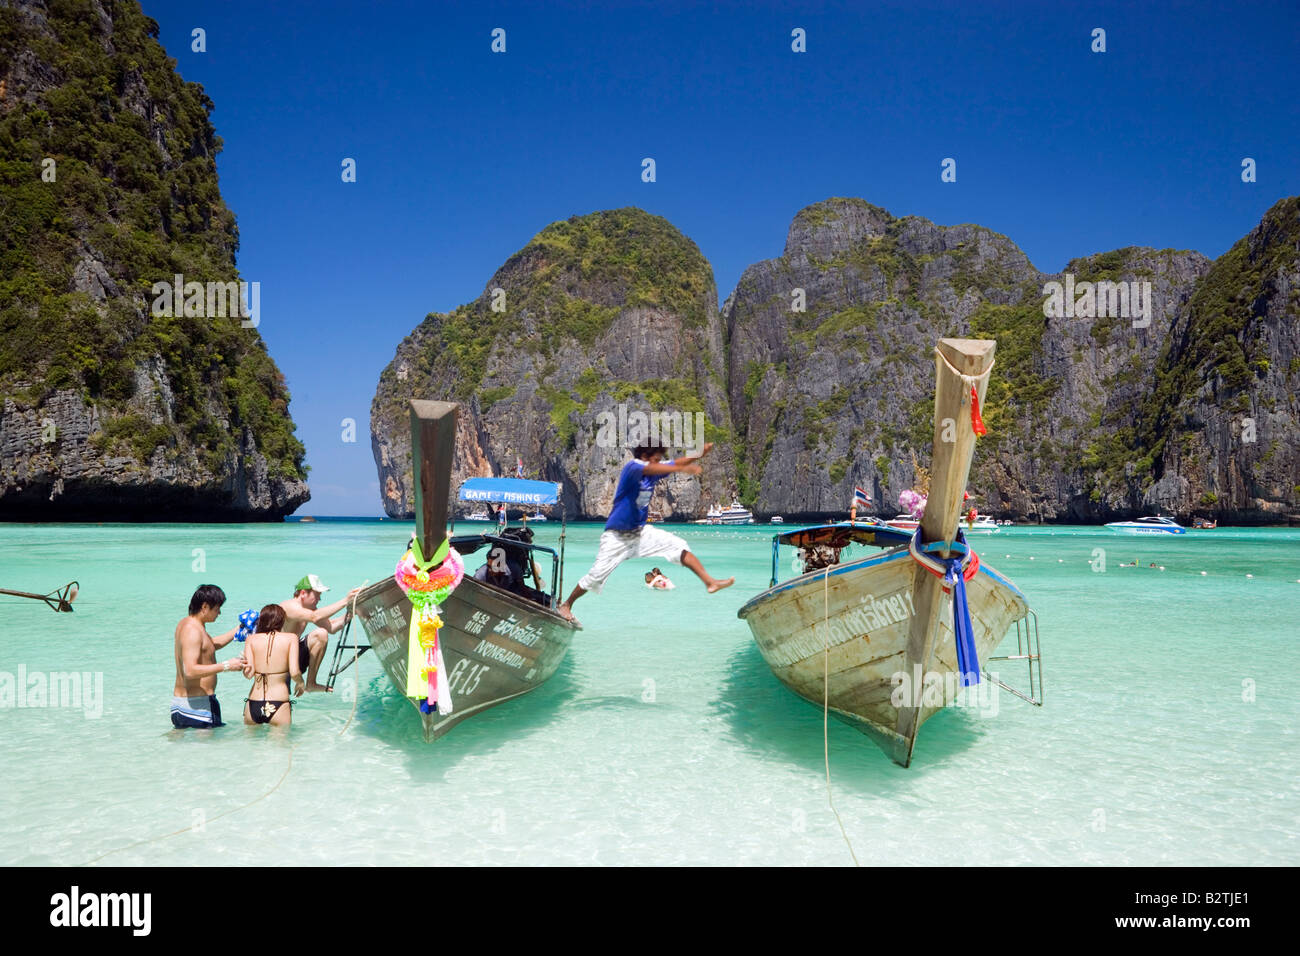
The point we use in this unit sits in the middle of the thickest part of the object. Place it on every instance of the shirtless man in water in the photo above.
(194, 696)
(301, 610)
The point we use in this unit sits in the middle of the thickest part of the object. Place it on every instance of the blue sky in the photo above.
(463, 155)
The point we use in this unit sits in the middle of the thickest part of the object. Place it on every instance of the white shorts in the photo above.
(617, 546)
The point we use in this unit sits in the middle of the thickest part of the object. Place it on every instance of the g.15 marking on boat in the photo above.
(465, 676)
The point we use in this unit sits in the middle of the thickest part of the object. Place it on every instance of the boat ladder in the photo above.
(342, 663)
(1029, 651)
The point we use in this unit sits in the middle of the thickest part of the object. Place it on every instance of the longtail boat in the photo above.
(886, 641)
(496, 644)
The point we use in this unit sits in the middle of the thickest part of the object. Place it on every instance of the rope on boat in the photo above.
(826, 706)
(971, 382)
(356, 653)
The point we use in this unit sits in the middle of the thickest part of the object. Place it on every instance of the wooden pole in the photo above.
(954, 446)
(433, 445)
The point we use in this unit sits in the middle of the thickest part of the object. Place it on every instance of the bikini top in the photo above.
(263, 675)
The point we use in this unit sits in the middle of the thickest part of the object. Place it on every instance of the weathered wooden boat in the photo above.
(496, 644)
(882, 642)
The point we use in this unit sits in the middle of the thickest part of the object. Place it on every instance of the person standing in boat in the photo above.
(301, 610)
(626, 533)
(194, 695)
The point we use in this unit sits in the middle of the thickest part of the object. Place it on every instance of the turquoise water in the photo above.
(1169, 733)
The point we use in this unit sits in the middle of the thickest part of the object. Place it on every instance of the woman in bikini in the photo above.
(273, 657)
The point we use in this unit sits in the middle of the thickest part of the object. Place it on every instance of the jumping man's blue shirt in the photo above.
(632, 497)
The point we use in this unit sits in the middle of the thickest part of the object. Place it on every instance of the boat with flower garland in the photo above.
(453, 645)
(886, 641)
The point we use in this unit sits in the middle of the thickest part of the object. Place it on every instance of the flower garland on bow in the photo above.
(426, 584)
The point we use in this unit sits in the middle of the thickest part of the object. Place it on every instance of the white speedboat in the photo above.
(734, 513)
(776, 519)
(1152, 524)
(903, 523)
(983, 524)
(478, 516)
(535, 518)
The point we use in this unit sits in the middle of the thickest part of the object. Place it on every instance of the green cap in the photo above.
(310, 583)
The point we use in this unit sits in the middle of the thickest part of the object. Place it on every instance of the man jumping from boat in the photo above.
(626, 533)
(301, 610)
(194, 694)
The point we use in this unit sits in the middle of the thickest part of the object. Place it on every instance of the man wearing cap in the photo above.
(626, 533)
(301, 610)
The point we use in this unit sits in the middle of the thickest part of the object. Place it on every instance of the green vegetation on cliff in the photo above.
(141, 198)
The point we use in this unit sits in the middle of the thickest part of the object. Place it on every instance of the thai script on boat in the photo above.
(870, 614)
(621, 428)
(501, 654)
(943, 689)
(387, 647)
(385, 618)
(72, 689)
(517, 630)
(1098, 301)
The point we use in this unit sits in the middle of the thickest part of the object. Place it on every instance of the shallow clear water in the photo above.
(1169, 733)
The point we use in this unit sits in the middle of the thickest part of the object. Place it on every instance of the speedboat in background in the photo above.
(1152, 524)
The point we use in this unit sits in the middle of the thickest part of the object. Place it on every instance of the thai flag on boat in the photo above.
(860, 496)
(519, 467)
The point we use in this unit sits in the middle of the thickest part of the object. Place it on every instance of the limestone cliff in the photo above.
(1130, 396)
(108, 185)
(613, 309)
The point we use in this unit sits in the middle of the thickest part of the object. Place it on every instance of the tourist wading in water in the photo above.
(626, 533)
(194, 696)
(272, 658)
(301, 610)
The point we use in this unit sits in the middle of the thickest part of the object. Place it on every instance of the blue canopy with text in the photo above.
(511, 491)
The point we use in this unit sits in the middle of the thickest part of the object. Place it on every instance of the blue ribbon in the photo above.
(968, 663)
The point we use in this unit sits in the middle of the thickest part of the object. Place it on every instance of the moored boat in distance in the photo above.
(982, 524)
(1152, 524)
(479, 515)
(903, 523)
(734, 513)
(496, 644)
(884, 642)
(1204, 524)
(776, 519)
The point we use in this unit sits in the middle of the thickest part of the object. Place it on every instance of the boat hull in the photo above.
(863, 612)
(1145, 529)
(495, 645)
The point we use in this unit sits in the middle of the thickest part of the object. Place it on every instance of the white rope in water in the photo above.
(826, 706)
(356, 653)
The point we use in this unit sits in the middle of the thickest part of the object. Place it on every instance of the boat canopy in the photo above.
(844, 533)
(511, 491)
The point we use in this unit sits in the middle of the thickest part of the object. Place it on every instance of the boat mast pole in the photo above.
(954, 446)
(433, 445)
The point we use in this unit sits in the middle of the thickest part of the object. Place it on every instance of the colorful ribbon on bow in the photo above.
(426, 584)
(955, 571)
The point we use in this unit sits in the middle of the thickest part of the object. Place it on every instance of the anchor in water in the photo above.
(59, 599)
